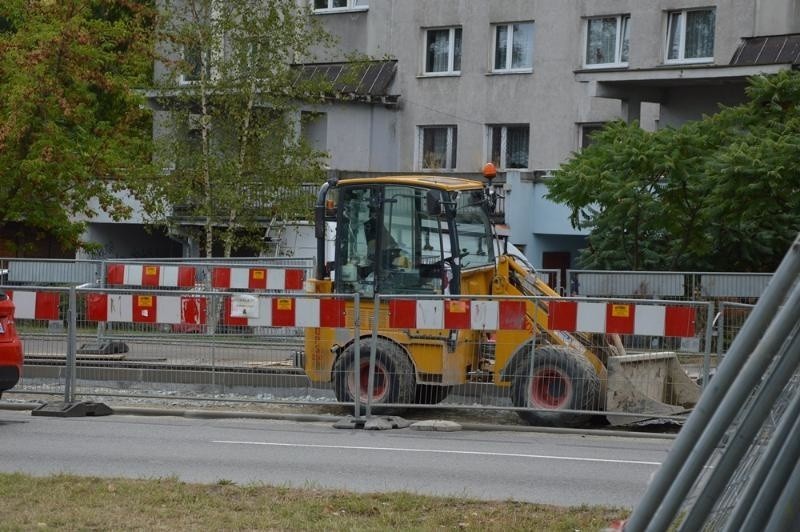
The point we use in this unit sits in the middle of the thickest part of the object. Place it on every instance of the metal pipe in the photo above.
(764, 466)
(737, 392)
(745, 433)
(319, 225)
(786, 514)
(737, 356)
(764, 507)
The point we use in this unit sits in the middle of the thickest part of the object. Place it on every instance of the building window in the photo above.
(607, 41)
(690, 36)
(443, 51)
(586, 132)
(438, 147)
(193, 59)
(509, 146)
(513, 47)
(339, 5)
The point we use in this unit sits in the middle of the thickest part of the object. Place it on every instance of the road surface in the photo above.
(556, 469)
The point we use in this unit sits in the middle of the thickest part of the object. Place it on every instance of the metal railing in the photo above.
(222, 345)
(740, 287)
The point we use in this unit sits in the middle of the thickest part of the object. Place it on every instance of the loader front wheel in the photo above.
(393, 381)
(552, 379)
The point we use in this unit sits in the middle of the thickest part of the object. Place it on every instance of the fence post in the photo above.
(70, 369)
(529, 387)
(707, 350)
(721, 333)
(357, 356)
(372, 349)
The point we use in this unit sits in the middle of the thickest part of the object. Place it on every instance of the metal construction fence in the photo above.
(696, 286)
(433, 352)
(736, 464)
(250, 272)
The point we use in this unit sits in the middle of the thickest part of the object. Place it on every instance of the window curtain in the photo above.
(436, 60)
(522, 53)
(434, 147)
(601, 40)
(517, 141)
(626, 39)
(456, 50)
(500, 47)
(699, 34)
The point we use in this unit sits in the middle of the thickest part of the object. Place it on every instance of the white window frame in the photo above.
(451, 51)
(450, 154)
(504, 143)
(623, 23)
(352, 5)
(509, 47)
(681, 59)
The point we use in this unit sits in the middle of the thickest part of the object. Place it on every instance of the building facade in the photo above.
(524, 83)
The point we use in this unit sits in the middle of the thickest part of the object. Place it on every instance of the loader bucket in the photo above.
(653, 384)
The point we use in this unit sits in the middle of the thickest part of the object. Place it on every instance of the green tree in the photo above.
(229, 127)
(72, 129)
(722, 193)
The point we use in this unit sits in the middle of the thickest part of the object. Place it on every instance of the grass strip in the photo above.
(89, 503)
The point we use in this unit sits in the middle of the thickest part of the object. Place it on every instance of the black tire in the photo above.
(555, 378)
(394, 376)
(430, 394)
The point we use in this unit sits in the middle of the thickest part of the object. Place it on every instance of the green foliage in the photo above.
(722, 193)
(229, 127)
(72, 129)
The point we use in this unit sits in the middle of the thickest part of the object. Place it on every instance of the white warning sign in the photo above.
(244, 306)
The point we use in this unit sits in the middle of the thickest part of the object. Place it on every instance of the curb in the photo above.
(323, 418)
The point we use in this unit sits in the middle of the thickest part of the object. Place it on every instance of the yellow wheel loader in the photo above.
(430, 235)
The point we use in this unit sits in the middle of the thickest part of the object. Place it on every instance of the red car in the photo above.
(10, 346)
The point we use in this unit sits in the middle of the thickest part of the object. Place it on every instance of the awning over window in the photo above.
(771, 50)
(367, 81)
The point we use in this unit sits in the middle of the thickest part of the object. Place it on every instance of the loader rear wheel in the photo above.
(430, 394)
(393, 382)
(554, 378)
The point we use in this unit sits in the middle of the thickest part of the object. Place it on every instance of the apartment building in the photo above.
(523, 83)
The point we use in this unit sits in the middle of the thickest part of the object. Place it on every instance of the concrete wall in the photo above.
(776, 17)
(691, 103)
(537, 223)
(359, 137)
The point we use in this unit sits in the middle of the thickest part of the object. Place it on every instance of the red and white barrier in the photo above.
(646, 320)
(128, 308)
(150, 275)
(457, 314)
(257, 278)
(35, 305)
(263, 311)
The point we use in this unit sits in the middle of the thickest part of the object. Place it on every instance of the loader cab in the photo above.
(395, 236)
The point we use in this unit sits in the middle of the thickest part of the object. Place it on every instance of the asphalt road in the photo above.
(556, 469)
